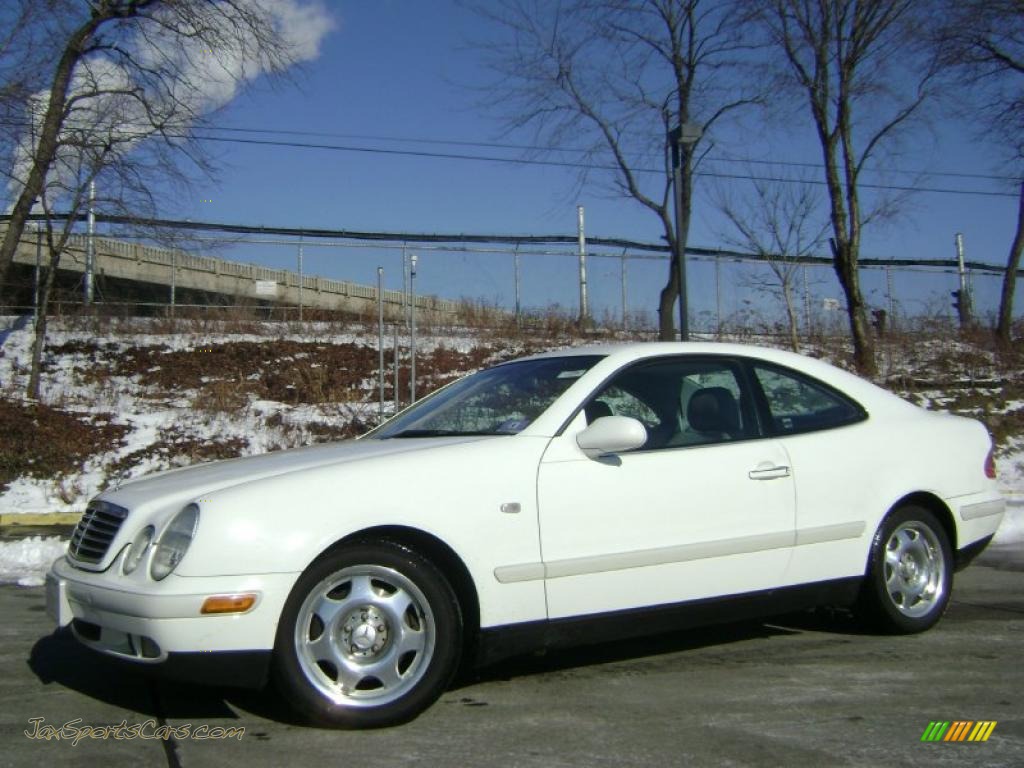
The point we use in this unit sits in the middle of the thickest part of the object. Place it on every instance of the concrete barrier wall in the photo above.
(148, 264)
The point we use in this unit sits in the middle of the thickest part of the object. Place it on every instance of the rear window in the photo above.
(798, 403)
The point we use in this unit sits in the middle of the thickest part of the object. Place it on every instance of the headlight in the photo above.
(174, 542)
(138, 549)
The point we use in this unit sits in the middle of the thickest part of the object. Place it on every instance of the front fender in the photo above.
(462, 495)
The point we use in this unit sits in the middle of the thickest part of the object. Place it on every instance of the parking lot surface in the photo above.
(799, 690)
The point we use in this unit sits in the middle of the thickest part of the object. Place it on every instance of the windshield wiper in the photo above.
(436, 433)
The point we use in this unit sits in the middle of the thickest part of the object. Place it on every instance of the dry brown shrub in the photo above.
(39, 441)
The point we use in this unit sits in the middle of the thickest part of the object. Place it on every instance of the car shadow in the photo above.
(60, 659)
(580, 657)
(833, 621)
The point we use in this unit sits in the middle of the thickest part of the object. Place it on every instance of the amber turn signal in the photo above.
(228, 603)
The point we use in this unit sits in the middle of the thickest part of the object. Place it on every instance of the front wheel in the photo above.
(370, 636)
(909, 574)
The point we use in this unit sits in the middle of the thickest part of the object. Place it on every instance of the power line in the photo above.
(574, 164)
(583, 151)
(583, 166)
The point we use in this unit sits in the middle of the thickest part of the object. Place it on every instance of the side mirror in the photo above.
(611, 434)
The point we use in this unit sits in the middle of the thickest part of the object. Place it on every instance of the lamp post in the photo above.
(681, 139)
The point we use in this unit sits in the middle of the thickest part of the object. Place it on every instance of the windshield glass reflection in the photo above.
(498, 401)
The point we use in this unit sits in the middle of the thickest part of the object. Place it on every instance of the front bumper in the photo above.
(161, 626)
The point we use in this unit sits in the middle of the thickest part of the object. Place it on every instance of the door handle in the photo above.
(768, 472)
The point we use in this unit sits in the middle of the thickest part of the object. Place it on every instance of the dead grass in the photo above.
(40, 441)
(178, 448)
(225, 376)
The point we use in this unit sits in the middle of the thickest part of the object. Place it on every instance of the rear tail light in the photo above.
(990, 465)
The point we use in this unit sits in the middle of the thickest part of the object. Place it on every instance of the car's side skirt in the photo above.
(496, 643)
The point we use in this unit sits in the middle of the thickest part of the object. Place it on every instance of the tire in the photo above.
(909, 575)
(370, 636)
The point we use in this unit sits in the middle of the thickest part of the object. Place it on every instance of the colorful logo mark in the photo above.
(958, 730)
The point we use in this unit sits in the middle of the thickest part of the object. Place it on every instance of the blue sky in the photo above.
(401, 69)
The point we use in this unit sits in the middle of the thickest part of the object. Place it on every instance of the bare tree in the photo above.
(16, 59)
(22, 54)
(982, 43)
(57, 231)
(150, 68)
(132, 80)
(94, 146)
(855, 64)
(614, 77)
(781, 224)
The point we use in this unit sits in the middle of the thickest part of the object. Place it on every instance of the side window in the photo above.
(680, 401)
(800, 404)
(615, 401)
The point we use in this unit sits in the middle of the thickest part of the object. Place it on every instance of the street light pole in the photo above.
(681, 138)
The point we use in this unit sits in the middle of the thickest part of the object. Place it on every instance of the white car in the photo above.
(570, 497)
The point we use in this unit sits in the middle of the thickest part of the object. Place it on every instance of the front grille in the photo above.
(94, 532)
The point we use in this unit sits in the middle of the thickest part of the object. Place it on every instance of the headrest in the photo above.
(713, 409)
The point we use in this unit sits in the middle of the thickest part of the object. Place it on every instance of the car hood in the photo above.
(180, 485)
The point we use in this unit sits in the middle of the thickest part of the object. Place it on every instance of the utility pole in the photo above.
(962, 297)
(300, 278)
(718, 296)
(807, 305)
(519, 306)
(584, 310)
(39, 270)
(412, 328)
(174, 277)
(892, 303)
(682, 138)
(397, 364)
(380, 340)
(405, 287)
(625, 310)
(90, 245)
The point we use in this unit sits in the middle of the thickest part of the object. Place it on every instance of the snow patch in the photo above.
(25, 562)
(30, 494)
(1011, 530)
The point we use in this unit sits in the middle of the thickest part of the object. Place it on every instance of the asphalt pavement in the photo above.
(800, 690)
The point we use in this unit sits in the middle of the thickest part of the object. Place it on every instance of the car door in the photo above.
(833, 459)
(704, 508)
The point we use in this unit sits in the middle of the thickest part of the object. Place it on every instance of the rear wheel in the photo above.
(909, 574)
(370, 636)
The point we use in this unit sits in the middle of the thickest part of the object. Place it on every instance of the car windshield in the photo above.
(498, 401)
